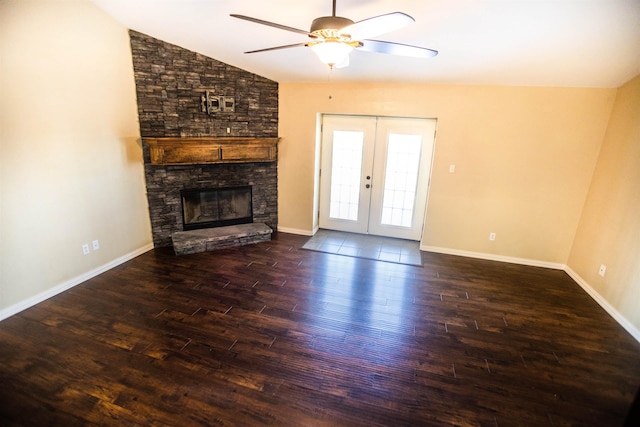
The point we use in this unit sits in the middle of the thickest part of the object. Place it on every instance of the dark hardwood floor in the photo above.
(270, 334)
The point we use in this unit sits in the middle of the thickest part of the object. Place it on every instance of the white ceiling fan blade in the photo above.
(377, 25)
(397, 49)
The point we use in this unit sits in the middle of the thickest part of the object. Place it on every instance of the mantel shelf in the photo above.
(210, 150)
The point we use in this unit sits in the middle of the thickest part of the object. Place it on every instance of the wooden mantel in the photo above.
(210, 150)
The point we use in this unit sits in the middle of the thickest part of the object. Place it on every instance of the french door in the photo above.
(375, 174)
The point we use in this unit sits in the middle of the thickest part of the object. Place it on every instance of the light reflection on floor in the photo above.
(377, 298)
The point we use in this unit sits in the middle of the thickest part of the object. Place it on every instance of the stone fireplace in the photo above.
(201, 167)
(227, 149)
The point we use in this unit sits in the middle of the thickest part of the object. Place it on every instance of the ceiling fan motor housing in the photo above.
(329, 26)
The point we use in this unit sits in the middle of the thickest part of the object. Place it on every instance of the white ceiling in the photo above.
(572, 43)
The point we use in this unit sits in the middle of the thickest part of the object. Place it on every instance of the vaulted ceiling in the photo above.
(572, 43)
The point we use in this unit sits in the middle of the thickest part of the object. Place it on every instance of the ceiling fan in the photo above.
(334, 37)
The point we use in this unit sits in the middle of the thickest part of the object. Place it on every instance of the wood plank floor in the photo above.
(270, 334)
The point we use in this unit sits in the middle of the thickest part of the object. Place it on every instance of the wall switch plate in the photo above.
(96, 245)
(603, 269)
(452, 168)
(492, 236)
(85, 249)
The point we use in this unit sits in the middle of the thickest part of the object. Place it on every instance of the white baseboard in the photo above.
(36, 299)
(494, 257)
(297, 231)
(635, 332)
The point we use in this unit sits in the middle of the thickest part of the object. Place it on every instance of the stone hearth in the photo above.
(209, 239)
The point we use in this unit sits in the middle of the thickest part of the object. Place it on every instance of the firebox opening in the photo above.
(216, 207)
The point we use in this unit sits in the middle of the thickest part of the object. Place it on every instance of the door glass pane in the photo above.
(346, 167)
(401, 178)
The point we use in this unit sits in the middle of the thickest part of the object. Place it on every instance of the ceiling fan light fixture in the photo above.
(334, 37)
(331, 52)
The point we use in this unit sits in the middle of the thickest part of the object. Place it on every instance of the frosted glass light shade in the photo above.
(332, 52)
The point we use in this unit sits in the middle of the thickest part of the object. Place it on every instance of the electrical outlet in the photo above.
(85, 249)
(492, 236)
(96, 245)
(602, 270)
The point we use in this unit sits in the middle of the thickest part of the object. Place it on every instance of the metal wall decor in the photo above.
(211, 104)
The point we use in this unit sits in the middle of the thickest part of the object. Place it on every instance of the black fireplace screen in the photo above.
(216, 207)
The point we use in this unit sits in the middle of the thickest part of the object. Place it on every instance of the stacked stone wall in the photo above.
(170, 81)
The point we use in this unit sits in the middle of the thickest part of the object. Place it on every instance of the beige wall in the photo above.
(70, 162)
(609, 231)
(524, 159)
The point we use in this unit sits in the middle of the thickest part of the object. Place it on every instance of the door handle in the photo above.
(367, 186)
(368, 177)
